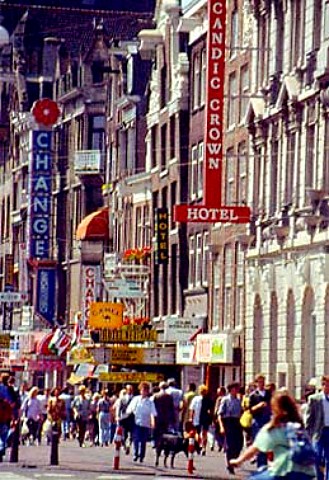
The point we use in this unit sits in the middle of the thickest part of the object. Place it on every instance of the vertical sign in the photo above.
(212, 210)
(9, 270)
(90, 279)
(40, 195)
(162, 236)
(46, 293)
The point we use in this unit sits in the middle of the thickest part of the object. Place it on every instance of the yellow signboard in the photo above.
(128, 334)
(79, 354)
(121, 356)
(131, 377)
(106, 315)
(4, 340)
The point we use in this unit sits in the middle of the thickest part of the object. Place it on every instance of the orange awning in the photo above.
(94, 226)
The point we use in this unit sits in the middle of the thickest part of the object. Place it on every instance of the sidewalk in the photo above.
(72, 458)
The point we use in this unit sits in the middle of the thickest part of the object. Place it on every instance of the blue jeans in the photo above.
(104, 427)
(261, 457)
(140, 437)
(322, 450)
(3, 438)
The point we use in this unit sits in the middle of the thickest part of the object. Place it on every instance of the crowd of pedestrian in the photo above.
(246, 424)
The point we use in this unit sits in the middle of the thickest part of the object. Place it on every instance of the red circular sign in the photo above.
(45, 111)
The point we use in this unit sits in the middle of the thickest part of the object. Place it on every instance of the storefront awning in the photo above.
(94, 226)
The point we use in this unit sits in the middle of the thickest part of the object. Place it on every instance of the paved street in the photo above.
(97, 463)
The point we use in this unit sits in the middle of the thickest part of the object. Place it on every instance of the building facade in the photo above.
(287, 282)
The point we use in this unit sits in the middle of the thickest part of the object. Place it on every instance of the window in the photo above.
(242, 166)
(316, 30)
(154, 135)
(310, 158)
(200, 170)
(274, 177)
(230, 177)
(164, 146)
(256, 180)
(198, 260)
(297, 32)
(289, 174)
(172, 126)
(233, 100)
(139, 228)
(326, 154)
(326, 20)
(244, 90)
(216, 291)
(194, 173)
(203, 86)
(196, 82)
(191, 261)
(205, 259)
(163, 85)
(97, 133)
(234, 33)
(97, 71)
(173, 201)
(263, 48)
(173, 296)
(228, 271)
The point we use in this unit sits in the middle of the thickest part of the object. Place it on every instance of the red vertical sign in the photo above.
(212, 210)
(214, 104)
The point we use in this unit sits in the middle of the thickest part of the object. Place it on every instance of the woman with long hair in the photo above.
(273, 437)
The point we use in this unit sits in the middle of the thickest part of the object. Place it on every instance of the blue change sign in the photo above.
(46, 290)
(40, 194)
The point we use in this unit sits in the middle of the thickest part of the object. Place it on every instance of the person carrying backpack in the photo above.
(292, 459)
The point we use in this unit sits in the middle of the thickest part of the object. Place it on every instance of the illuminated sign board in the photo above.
(106, 315)
(40, 194)
(127, 355)
(90, 281)
(127, 334)
(130, 377)
(46, 294)
(212, 209)
(162, 235)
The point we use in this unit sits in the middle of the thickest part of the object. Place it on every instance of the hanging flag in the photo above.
(78, 329)
(60, 342)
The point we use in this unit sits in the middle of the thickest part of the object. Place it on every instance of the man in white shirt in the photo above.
(143, 408)
(177, 396)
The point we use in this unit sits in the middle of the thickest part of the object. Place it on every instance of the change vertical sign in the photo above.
(212, 210)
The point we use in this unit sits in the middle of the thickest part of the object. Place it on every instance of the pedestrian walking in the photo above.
(177, 395)
(317, 425)
(144, 412)
(274, 437)
(201, 414)
(165, 419)
(93, 425)
(229, 414)
(6, 414)
(43, 397)
(219, 438)
(126, 421)
(66, 423)
(259, 401)
(104, 425)
(56, 409)
(187, 399)
(31, 411)
(81, 408)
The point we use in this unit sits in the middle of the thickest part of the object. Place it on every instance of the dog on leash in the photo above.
(171, 444)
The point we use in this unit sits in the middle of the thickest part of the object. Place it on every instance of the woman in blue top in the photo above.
(273, 438)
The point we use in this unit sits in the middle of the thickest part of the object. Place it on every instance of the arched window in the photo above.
(308, 337)
(273, 354)
(257, 335)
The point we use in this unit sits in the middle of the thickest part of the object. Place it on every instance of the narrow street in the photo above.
(97, 463)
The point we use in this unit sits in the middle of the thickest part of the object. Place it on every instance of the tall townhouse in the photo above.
(287, 289)
(228, 241)
(53, 245)
(167, 157)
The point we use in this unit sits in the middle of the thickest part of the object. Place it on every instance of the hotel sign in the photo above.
(212, 210)
(162, 235)
(40, 194)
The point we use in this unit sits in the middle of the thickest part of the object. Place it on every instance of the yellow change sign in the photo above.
(121, 356)
(106, 315)
(128, 334)
(131, 377)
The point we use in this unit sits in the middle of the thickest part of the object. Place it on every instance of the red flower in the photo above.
(45, 111)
